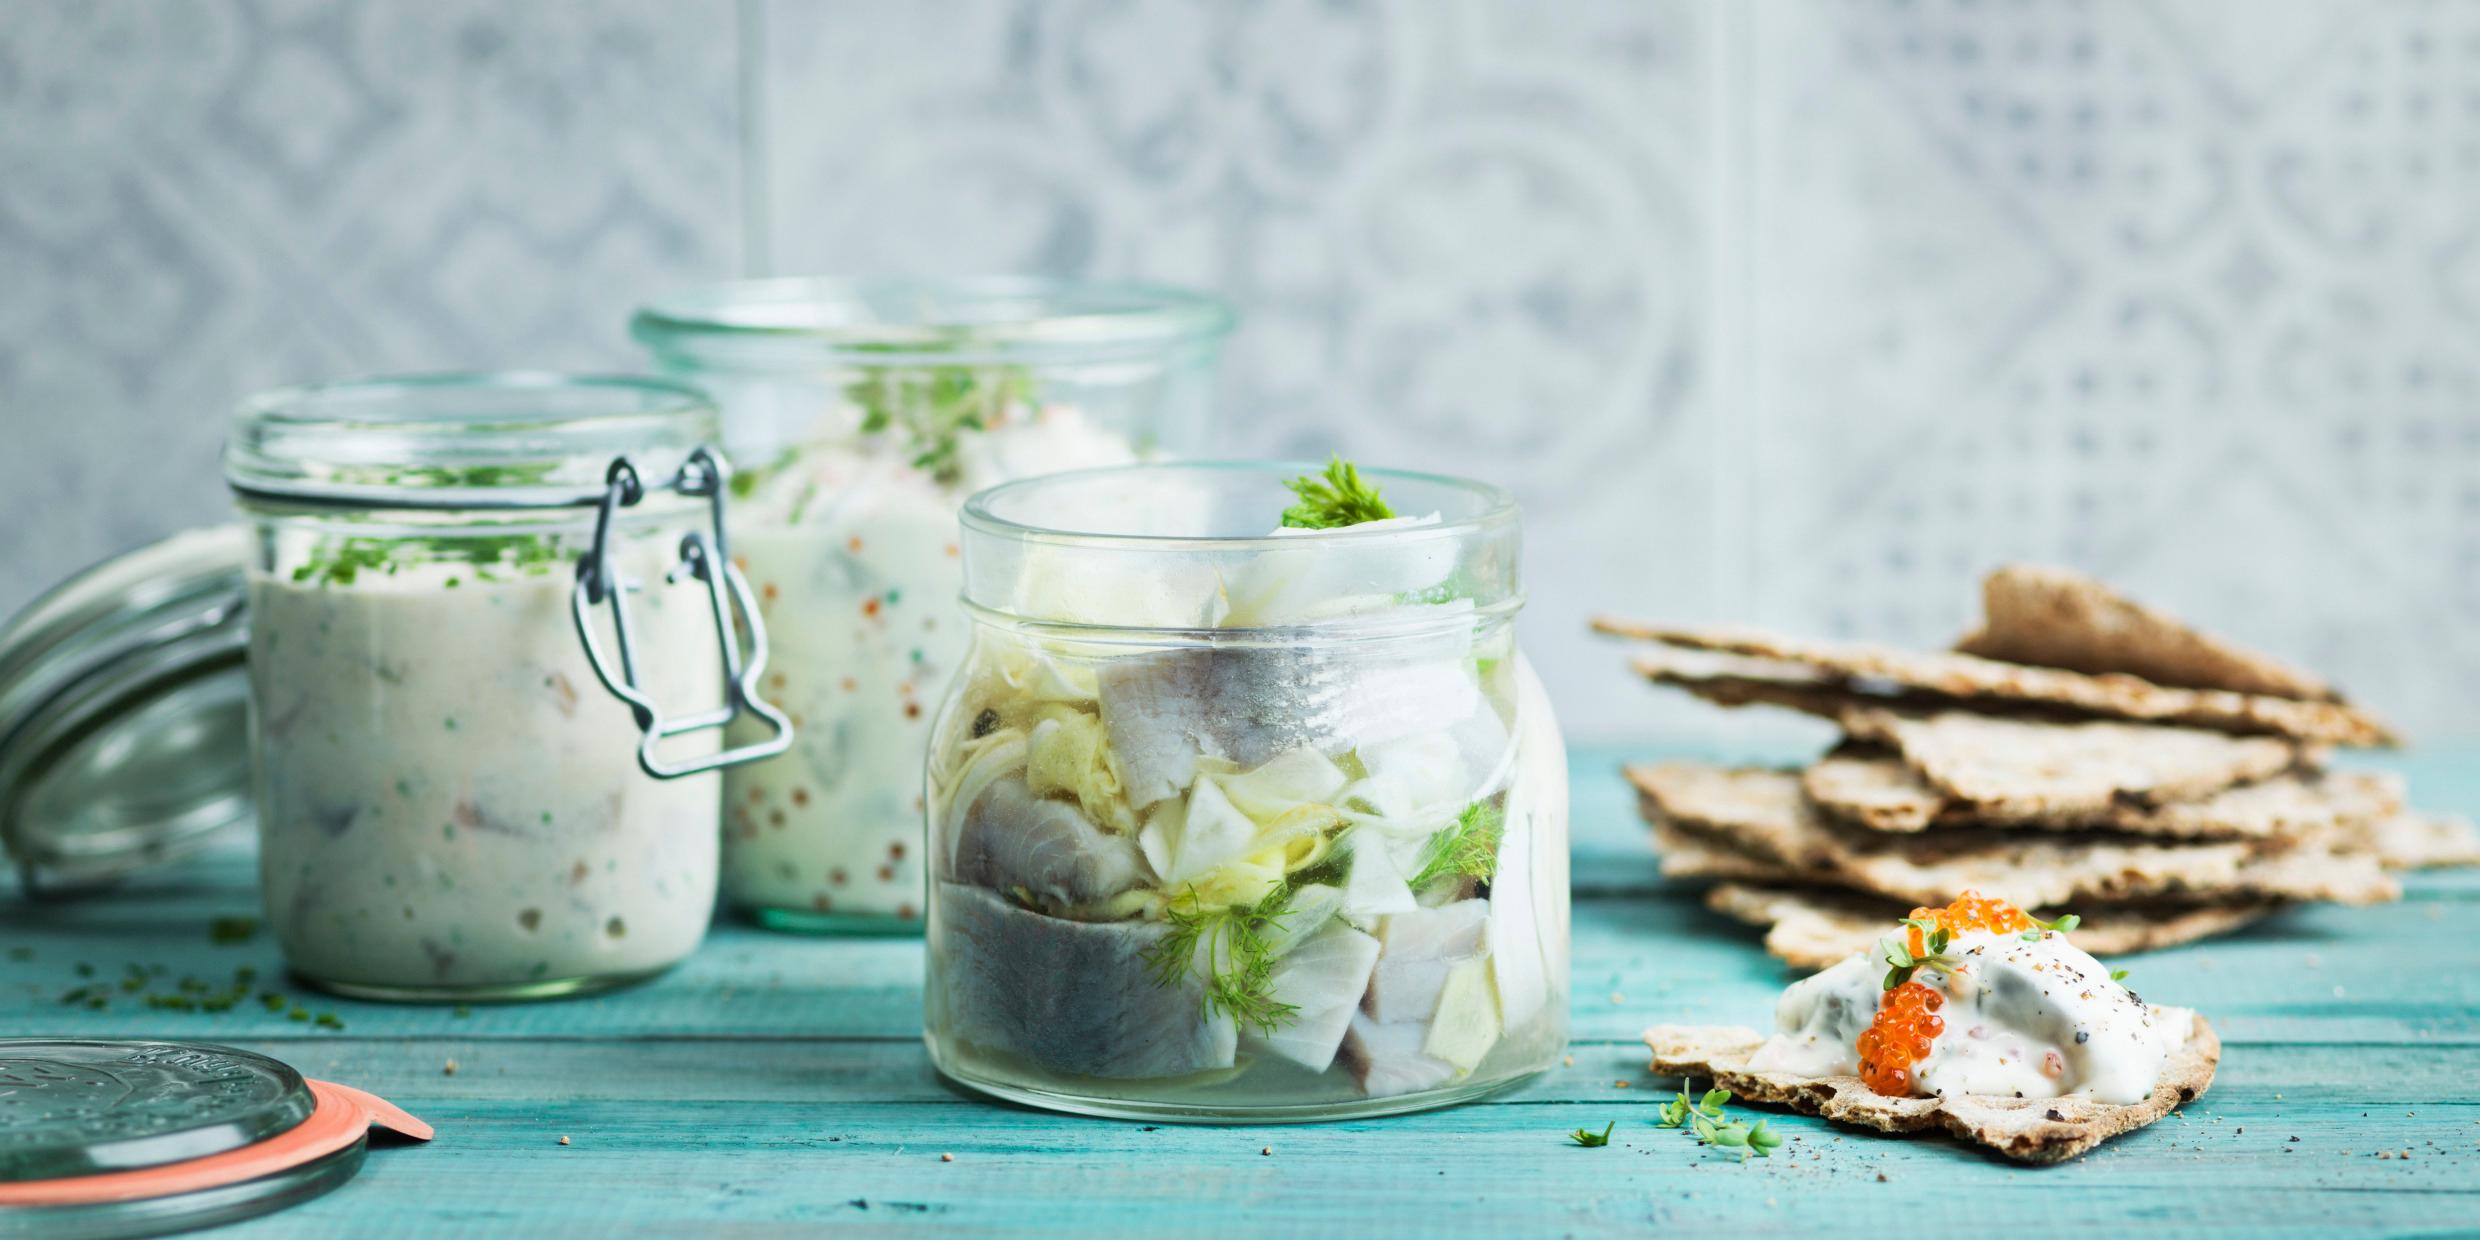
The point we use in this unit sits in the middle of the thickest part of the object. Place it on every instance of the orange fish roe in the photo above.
(1907, 1021)
(1969, 912)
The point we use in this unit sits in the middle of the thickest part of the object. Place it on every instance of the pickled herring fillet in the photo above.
(1322, 978)
(1071, 997)
(1385, 1058)
(1247, 704)
(1418, 950)
(1013, 839)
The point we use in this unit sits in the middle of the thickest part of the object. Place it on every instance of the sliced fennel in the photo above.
(1066, 754)
(1285, 782)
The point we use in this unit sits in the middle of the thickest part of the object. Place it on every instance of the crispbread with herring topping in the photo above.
(2032, 1130)
(2055, 617)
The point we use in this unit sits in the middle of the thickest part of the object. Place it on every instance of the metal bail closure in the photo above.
(703, 555)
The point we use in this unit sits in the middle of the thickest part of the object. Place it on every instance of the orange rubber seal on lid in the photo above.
(344, 1116)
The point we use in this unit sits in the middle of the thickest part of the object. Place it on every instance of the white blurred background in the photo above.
(1798, 312)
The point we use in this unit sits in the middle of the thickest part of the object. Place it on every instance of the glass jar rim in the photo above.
(500, 439)
(1494, 509)
(802, 320)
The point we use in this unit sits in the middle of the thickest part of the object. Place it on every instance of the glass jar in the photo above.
(490, 659)
(1231, 822)
(867, 411)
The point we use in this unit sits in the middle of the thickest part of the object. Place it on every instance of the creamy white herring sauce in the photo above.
(449, 799)
(2036, 1018)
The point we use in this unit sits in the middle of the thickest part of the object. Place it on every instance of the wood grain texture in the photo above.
(778, 1085)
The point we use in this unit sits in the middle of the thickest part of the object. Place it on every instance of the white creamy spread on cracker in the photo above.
(2021, 1017)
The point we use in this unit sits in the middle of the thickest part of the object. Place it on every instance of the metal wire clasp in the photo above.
(703, 555)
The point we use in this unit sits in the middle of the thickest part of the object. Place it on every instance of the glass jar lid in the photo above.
(122, 713)
(70, 1108)
(799, 323)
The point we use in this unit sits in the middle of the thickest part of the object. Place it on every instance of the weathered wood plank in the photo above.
(2404, 975)
(895, 1073)
(814, 1151)
(778, 1082)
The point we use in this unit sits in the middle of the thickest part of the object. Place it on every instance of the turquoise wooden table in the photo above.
(776, 1084)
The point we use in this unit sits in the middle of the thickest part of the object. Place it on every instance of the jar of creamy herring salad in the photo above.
(492, 652)
(1234, 817)
(862, 413)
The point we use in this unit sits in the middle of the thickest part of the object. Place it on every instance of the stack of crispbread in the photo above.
(2078, 749)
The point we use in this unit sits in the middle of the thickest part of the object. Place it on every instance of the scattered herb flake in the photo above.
(932, 407)
(230, 931)
(1590, 1139)
(342, 562)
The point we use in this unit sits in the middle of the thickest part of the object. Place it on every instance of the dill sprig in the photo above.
(1333, 501)
(1590, 1139)
(1230, 945)
(1468, 848)
(1902, 963)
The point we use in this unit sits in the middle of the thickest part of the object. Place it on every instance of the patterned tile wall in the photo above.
(204, 198)
(1468, 237)
(1796, 310)
(2181, 292)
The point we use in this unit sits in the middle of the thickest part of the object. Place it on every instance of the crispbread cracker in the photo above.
(1762, 813)
(2054, 617)
(1857, 668)
(1811, 928)
(2414, 841)
(1689, 856)
(1867, 789)
(2015, 769)
(1882, 794)
(1726, 681)
(2032, 1130)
